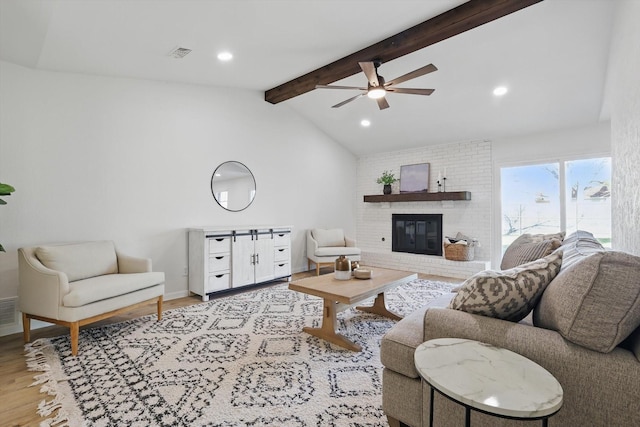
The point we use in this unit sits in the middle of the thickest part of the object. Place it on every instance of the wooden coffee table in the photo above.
(339, 295)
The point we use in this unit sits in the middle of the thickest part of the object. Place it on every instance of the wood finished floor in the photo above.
(19, 402)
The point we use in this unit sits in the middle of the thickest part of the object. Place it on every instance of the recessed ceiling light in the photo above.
(225, 56)
(500, 90)
(365, 123)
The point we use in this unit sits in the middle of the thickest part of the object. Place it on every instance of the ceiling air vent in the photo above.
(179, 52)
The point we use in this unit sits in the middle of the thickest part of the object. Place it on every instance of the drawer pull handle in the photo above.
(280, 265)
(219, 257)
(219, 240)
(219, 275)
(280, 250)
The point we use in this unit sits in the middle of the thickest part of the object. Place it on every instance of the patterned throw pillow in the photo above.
(517, 255)
(510, 294)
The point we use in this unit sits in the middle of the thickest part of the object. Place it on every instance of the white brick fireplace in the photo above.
(468, 166)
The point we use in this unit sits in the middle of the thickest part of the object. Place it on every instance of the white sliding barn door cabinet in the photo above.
(222, 259)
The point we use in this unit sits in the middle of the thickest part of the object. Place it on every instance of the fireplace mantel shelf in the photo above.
(418, 197)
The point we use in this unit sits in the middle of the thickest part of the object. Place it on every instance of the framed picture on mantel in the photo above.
(414, 178)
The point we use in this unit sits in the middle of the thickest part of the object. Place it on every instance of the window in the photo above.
(549, 197)
(588, 197)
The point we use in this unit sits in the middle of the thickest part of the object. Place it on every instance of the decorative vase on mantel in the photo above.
(387, 179)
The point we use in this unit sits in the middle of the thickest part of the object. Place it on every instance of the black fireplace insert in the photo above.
(417, 233)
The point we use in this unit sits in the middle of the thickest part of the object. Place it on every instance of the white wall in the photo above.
(468, 167)
(587, 141)
(131, 161)
(624, 95)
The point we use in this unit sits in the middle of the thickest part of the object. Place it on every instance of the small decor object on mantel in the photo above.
(442, 181)
(387, 179)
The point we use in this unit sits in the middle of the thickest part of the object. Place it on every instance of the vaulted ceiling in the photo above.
(552, 56)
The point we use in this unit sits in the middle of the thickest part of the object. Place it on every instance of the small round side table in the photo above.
(488, 379)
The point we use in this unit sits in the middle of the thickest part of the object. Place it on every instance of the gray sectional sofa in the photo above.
(584, 329)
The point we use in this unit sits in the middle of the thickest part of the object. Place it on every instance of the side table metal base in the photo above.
(467, 410)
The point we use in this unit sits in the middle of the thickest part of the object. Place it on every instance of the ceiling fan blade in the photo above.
(412, 75)
(382, 103)
(410, 91)
(339, 87)
(369, 70)
(347, 101)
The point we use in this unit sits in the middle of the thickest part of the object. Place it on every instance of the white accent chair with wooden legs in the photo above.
(81, 283)
(324, 246)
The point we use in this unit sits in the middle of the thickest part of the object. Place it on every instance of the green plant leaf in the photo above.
(1, 248)
(6, 189)
(2, 202)
(387, 178)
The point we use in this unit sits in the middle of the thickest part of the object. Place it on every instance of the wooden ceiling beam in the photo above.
(448, 24)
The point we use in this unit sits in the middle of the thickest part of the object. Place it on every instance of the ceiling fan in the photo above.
(377, 88)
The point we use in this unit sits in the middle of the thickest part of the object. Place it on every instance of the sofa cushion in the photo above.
(400, 342)
(87, 291)
(534, 248)
(337, 251)
(509, 294)
(80, 260)
(332, 237)
(595, 302)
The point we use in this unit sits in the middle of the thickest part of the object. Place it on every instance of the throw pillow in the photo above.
(578, 245)
(595, 302)
(518, 254)
(510, 294)
(529, 247)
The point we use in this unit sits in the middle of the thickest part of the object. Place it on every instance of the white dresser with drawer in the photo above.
(227, 258)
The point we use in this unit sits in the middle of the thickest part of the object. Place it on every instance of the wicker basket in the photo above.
(455, 252)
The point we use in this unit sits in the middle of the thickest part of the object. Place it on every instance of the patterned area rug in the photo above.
(240, 360)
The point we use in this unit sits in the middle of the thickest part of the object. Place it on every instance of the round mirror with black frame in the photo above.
(233, 186)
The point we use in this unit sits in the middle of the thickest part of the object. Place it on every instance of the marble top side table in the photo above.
(488, 379)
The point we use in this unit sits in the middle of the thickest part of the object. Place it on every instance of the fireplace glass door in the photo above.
(417, 233)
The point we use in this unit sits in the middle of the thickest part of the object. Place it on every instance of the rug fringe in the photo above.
(36, 361)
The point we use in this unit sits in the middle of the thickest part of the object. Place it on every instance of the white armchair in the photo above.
(324, 246)
(76, 284)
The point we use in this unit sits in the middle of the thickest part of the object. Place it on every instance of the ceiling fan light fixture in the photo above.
(376, 92)
(500, 91)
